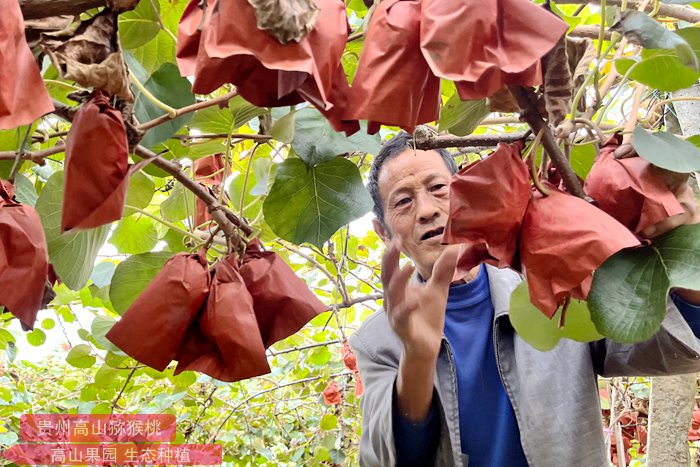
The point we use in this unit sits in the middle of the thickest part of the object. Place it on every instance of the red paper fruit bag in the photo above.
(488, 199)
(393, 84)
(24, 259)
(499, 42)
(629, 189)
(266, 73)
(96, 167)
(283, 303)
(154, 327)
(209, 171)
(23, 97)
(225, 342)
(189, 33)
(559, 252)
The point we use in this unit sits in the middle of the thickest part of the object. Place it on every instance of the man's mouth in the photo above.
(432, 233)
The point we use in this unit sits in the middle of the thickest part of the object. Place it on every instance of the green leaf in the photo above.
(101, 326)
(24, 190)
(222, 121)
(135, 234)
(179, 204)
(628, 296)
(310, 204)
(261, 171)
(48, 323)
(329, 422)
(283, 129)
(6, 337)
(650, 34)
(543, 333)
(680, 252)
(622, 65)
(105, 375)
(36, 337)
(462, 117)
(315, 141)
(582, 157)
(132, 276)
(169, 87)
(666, 150)
(72, 254)
(140, 193)
(102, 274)
(664, 72)
(79, 356)
(155, 53)
(139, 26)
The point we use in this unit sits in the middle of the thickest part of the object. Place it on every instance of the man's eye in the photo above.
(438, 187)
(403, 201)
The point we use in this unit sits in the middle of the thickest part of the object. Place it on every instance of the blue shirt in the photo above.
(488, 428)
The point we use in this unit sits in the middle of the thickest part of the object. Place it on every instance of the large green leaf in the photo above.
(139, 26)
(462, 117)
(666, 150)
(72, 254)
(140, 193)
(664, 72)
(25, 191)
(628, 296)
(680, 252)
(649, 33)
(315, 141)
(283, 129)
(582, 157)
(169, 87)
(310, 204)
(179, 205)
(543, 333)
(80, 356)
(135, 234)
(156, 52)
(132, 276)
(101, 326)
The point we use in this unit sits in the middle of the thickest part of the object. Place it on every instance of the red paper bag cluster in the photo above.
(96, 168)
(480, 45)
(488, 199)
(24, 259)
(217, 321)
(629, 190)
(559, 255)
(225, 342)
(499, 219)
(223, 44)
(154, 327)
(23, 97)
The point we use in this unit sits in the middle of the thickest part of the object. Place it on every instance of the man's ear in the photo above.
(381, 231)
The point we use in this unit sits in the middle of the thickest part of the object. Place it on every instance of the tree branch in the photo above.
(36, 156)
(686, 13)
(186, 110)
(450, 141)
(531, 115)
(35, 9)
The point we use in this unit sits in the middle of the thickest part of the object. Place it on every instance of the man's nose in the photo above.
(427, 208)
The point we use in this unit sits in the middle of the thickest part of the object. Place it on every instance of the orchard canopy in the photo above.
(170, 165)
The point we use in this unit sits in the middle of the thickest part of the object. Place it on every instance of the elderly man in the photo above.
(447, 379)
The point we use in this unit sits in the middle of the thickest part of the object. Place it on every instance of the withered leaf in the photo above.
(557, 83)
(286, 20)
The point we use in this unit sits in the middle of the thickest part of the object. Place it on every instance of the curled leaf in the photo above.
(286, 20)
(154, 328)
(283, 303)
(24, 259)
(224, 342)
(629, 189)
(558, 90)
(90, 55)
(96, 168)
(488, 199)
(23, 97)
(559, 255)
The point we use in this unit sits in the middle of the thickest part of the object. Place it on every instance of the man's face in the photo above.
(414, 187)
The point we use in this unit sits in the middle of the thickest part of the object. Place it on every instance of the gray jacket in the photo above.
(554, 394)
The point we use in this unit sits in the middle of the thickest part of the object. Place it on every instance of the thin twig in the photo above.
(450, 141)
(186, 110)
(20, 152)
(36, 156)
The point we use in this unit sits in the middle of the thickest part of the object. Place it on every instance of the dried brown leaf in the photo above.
(286, 20)
(557, 83)
(503, 101)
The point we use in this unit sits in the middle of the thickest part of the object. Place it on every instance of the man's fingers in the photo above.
(445, 266)
(390, 262)
(667, 225)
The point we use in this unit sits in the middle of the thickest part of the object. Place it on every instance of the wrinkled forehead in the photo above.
(411, 169)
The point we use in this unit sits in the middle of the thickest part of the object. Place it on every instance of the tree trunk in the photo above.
(672, 397)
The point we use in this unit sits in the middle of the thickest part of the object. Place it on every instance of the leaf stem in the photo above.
(20, 152)
(168, 224)
(172, 113)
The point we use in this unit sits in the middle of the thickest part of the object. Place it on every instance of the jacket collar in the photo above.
(502, 282)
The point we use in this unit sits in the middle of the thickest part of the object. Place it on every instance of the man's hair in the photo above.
(391, 149)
